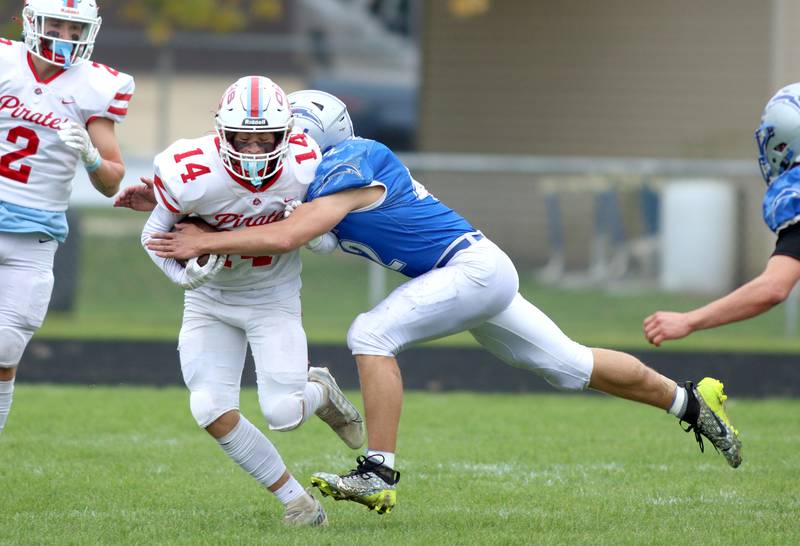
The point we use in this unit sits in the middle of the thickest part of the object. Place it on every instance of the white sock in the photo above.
(289, 491)
(388, 458)
(251, 450)
(6, 393)
(678, 407)
(314, 397)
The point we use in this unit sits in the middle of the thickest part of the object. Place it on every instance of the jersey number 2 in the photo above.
(22, 172)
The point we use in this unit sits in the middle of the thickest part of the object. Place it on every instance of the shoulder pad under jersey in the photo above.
(350, 164)
(107, 92)
(781, 206)
(175, 188)
(303, 157)
(9, 50)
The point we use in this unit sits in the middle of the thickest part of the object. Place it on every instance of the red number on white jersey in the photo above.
(112, 71)
(193, 170)
(4, 41)
(22, 173)
(302, 140)
(258, 261)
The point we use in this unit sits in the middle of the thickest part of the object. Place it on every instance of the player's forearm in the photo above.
(750, 300)
(106, 179)
(252, 241)
(162, 220)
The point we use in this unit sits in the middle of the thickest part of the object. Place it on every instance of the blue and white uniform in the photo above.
(408, 230)
(781, 205)
(460, 279)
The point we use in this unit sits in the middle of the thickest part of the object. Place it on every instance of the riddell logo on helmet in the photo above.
(250, 122)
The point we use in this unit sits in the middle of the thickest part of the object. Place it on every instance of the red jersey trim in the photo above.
(117, 111)
(36, 74)
(244, 183)
(159, 185)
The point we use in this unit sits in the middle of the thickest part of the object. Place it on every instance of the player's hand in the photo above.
(324, 244)
(290, 206)
(181, 244)
(76, 137)
(665, 325)
(141, 198)
(195, 275)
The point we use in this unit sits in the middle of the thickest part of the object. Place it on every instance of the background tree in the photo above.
(160, 18)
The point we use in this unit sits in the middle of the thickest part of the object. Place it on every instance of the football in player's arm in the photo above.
(778, 139)
(58, 110)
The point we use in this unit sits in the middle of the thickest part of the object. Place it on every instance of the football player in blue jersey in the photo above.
(778, 139)
(366, 199)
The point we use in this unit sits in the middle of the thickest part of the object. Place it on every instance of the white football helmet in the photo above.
(778, 136)
(254, 104)
(60, 52)
(322, 116)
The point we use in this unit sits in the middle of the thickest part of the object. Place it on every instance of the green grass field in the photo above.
(128, 466)
(121, 294)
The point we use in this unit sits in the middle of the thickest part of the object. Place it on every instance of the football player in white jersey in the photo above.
(57, 111)
(459, 281)
(243, 175)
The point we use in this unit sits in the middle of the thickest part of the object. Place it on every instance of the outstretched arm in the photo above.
(141, 198)
(306, 222)
(757, 296)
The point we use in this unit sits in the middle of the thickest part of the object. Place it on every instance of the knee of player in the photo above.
(12, 345)
(283, 412)
(572, 370)
(364, 337)
(207, 407)
(566, 382)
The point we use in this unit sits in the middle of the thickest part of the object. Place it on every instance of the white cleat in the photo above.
(339, 413)
(305, 510)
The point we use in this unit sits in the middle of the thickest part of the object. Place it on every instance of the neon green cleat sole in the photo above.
(327, 489)
(714, 422)
(382, 501)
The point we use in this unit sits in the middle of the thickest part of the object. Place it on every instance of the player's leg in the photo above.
(289, 391)
(476, 284)
(212, 355)
(26, 278)
(523, 336)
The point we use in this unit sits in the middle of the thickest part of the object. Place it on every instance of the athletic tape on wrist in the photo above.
(91, 167)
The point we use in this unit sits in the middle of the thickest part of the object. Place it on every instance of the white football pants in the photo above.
(213, 346)
(26, 283)
(476, 291)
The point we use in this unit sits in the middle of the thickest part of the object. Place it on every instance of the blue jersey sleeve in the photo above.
(345, 167)
(781, 206)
